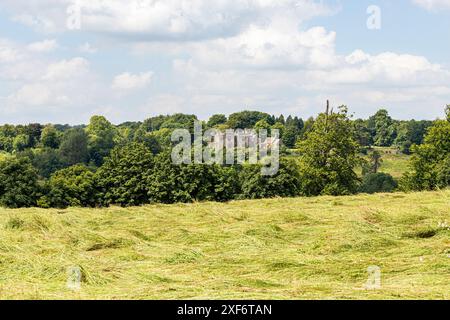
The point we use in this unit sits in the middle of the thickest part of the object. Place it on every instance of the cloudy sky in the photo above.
(63, 61)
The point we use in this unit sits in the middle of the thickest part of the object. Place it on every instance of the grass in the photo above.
(394, 163)
(303, 248)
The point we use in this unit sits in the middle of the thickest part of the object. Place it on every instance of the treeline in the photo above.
(102, 164)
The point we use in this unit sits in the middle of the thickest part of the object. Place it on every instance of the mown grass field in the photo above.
(304, 248)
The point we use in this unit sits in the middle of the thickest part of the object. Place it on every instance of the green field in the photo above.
(394, 163)
(300, 248)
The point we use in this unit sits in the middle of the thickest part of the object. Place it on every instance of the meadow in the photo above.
(297, 248)
(394, 162)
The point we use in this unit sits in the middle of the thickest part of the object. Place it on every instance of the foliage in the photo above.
(74, 186)
(216, 120)
(50, 137)
(246, 119)
(362, 133)
(411, 133)
(329, 155)
(47, 161)
(122, 178)
(101, 138)
(378, 182)
(132, 177)
(374, 163)
(171, 183)
(430, 162)
(262, 125)
(286, 183)
(383, 128)
(74, 147)
(21, 142)
(18, 183)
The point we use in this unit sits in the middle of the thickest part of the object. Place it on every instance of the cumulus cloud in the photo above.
(127, 81)
(161, 19)
(226, 55)
(432, 5)
(55, 87)
(34, 87)
(43, 46)
(66, 69)
(8, 51)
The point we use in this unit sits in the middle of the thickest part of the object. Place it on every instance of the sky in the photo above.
(62, 61)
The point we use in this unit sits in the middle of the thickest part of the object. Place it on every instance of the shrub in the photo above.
(18, 183)
(171, 183)
(74, 187)
(286, 183)
(378, 182)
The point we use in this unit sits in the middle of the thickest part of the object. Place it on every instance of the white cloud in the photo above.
(127, 81)
(386, 68)
(273, 46)
(433, 5)
(66, 69)
(227, 55)
(87, 48)
(43, 46)
(8, 51)
(32, 95)
(163, 19)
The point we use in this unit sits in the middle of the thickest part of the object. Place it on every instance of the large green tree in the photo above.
(328, 156)
(74, 147)
(383, 128)
(50, 137)
(430, 164)
(123, 176)
(18, 183)
(101, 138)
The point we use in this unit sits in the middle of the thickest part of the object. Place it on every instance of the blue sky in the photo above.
(129, 60)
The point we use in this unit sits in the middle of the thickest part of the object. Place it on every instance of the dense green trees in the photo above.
(74, 186)
(130, 164)
(50, 137)
(431, 160)
(247, 119)
(170, 183)
(123, 178)
(378, 182)
(216, 120)
(328, 156)
(410, 133)
(286, 183)
(383, 128)
(101, 138)
(74, 147)
(18, 183)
